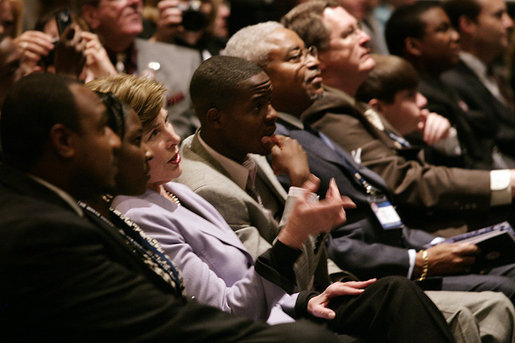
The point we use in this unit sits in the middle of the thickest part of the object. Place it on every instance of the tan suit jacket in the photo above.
(253, 225)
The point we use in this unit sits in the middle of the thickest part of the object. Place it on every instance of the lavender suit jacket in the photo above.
(216, 267)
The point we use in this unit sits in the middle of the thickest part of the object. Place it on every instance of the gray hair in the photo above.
(250, 42)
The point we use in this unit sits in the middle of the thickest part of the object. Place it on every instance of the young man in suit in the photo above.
(67, 275)
(484, 27)
(391, 89)
(118, 23)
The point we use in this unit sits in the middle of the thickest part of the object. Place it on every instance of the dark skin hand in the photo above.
(446, 259)
(288, 158)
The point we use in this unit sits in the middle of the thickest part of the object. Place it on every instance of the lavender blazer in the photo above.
(216, 267)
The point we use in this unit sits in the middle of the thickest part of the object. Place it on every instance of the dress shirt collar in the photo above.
(291, 120)
(374, 118)
(481, 70)
(62, 194)
(239, 173)
(474, 63)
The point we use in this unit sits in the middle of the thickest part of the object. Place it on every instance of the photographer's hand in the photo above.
(97, 61)
(34, 45)
(69, 52)
(168, 23)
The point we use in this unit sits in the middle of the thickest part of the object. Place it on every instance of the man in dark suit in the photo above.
(484, 27)
(422, 34)
(67, 275)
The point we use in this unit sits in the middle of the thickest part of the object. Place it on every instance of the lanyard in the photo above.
(404, 143)
(369, 189)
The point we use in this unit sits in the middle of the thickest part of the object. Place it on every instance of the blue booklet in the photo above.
(496, 244)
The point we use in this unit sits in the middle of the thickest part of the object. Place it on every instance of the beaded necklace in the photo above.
(146, 247)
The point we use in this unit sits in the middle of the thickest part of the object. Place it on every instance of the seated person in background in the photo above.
(216, 267)
(484, 27)
(422, 34)
(391, 90)
(10, 65)
(427, 196)
(203, 28)
(73, 276)
(11, 17)
(118, 24)
(11, 69)
(97, 63)
(73, 52)
(363, 11)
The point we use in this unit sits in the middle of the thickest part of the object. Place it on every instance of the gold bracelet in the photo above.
(425, 268)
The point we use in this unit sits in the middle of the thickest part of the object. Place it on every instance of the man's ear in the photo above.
(61, 141)
(90, 14)
(467, 25)
(376, 105)
(321, 60)
(412, 46)
(214, 117)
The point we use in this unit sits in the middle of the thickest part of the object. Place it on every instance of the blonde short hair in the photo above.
(145, 96)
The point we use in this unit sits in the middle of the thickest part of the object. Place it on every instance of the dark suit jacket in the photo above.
(486, 107)
(361, 246)
(477, 142)
(427, 196)
(66, 279)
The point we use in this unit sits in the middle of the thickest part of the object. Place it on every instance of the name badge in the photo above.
(386, 215)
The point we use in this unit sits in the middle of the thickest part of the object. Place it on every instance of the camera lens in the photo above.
(193, 20)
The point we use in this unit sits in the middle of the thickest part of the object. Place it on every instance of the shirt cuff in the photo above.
(301, 305)
(276, 265)
(436, 241)
(500, 186)
(412, 254)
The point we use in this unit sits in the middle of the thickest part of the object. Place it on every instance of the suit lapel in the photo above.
(267, 175)
(310, 137)
(193, 202)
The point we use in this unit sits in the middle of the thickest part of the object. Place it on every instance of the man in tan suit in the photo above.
(224, 163)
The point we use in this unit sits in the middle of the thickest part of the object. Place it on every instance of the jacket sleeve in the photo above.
(251, 296)
(68, 281)
(412, 181)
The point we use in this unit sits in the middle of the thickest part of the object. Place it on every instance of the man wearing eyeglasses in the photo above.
(118, 24)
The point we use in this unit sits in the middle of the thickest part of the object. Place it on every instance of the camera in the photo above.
(193, 19)
(63, 19)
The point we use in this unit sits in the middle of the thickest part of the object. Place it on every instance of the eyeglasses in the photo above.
(300, 55)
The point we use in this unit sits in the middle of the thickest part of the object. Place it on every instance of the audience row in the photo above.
(295, 179)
